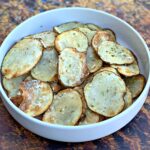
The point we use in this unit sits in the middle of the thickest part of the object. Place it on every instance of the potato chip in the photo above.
(72, 67)
(71, 39)
(93, 61)
(46, 69)
(90, 117)
(128, 70)
(113, 53)
(135, 84)
(67, 26)
(127, 99)
(21, 58)
(12, 85)
(101, 36)
(66, 108)
(89, 33)
(87, 116)
(37, 97)
(79, 89)
(109, 69)
(104, 94)
(93, 27)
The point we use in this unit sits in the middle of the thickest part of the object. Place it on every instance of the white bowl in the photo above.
(126, 36)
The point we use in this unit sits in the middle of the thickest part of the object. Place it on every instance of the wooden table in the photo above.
(134, 136)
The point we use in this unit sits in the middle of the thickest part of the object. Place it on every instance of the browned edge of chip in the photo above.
(108, 29)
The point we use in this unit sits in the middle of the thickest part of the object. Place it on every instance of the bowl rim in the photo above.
(105, 122)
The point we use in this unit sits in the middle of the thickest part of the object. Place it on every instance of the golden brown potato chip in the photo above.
(21, 58)
(114, 53)
(90, 117)
(87, 116)
(79, 89)
(37, 97)
(66, 108)
(111, 69)
(104, 94)
(71, 39)
(67, 26)
(93, 27)
(101, 36)
(128, 70)
(93, 61)
(135, 84)
(72, 67)
(127, 99)
(89, 33)
(12, 85)
(47, 67)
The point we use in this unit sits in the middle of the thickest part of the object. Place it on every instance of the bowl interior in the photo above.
(126, 35)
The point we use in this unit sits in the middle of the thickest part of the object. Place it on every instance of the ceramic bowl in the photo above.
(126, 35)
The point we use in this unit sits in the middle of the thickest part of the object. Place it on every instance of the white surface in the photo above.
(126, 35)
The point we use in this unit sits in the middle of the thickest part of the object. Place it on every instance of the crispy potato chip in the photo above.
(111, 69)
(66, 108)
(113, 53)
(89, 33)
(101, 36)
(46, 69)
(87, 116)
(127, 99)
(128, 70)
(72, 67)
(67, 26)
(93, 61)
(79, 89)
(104, 95)
(135, 84)
(37, 97)
(21, 58)
(47, 38)
(93, 27)
(12, 85)
(71, 39)
(90, 117)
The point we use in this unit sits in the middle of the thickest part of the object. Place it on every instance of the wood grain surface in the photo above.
(135, 135)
